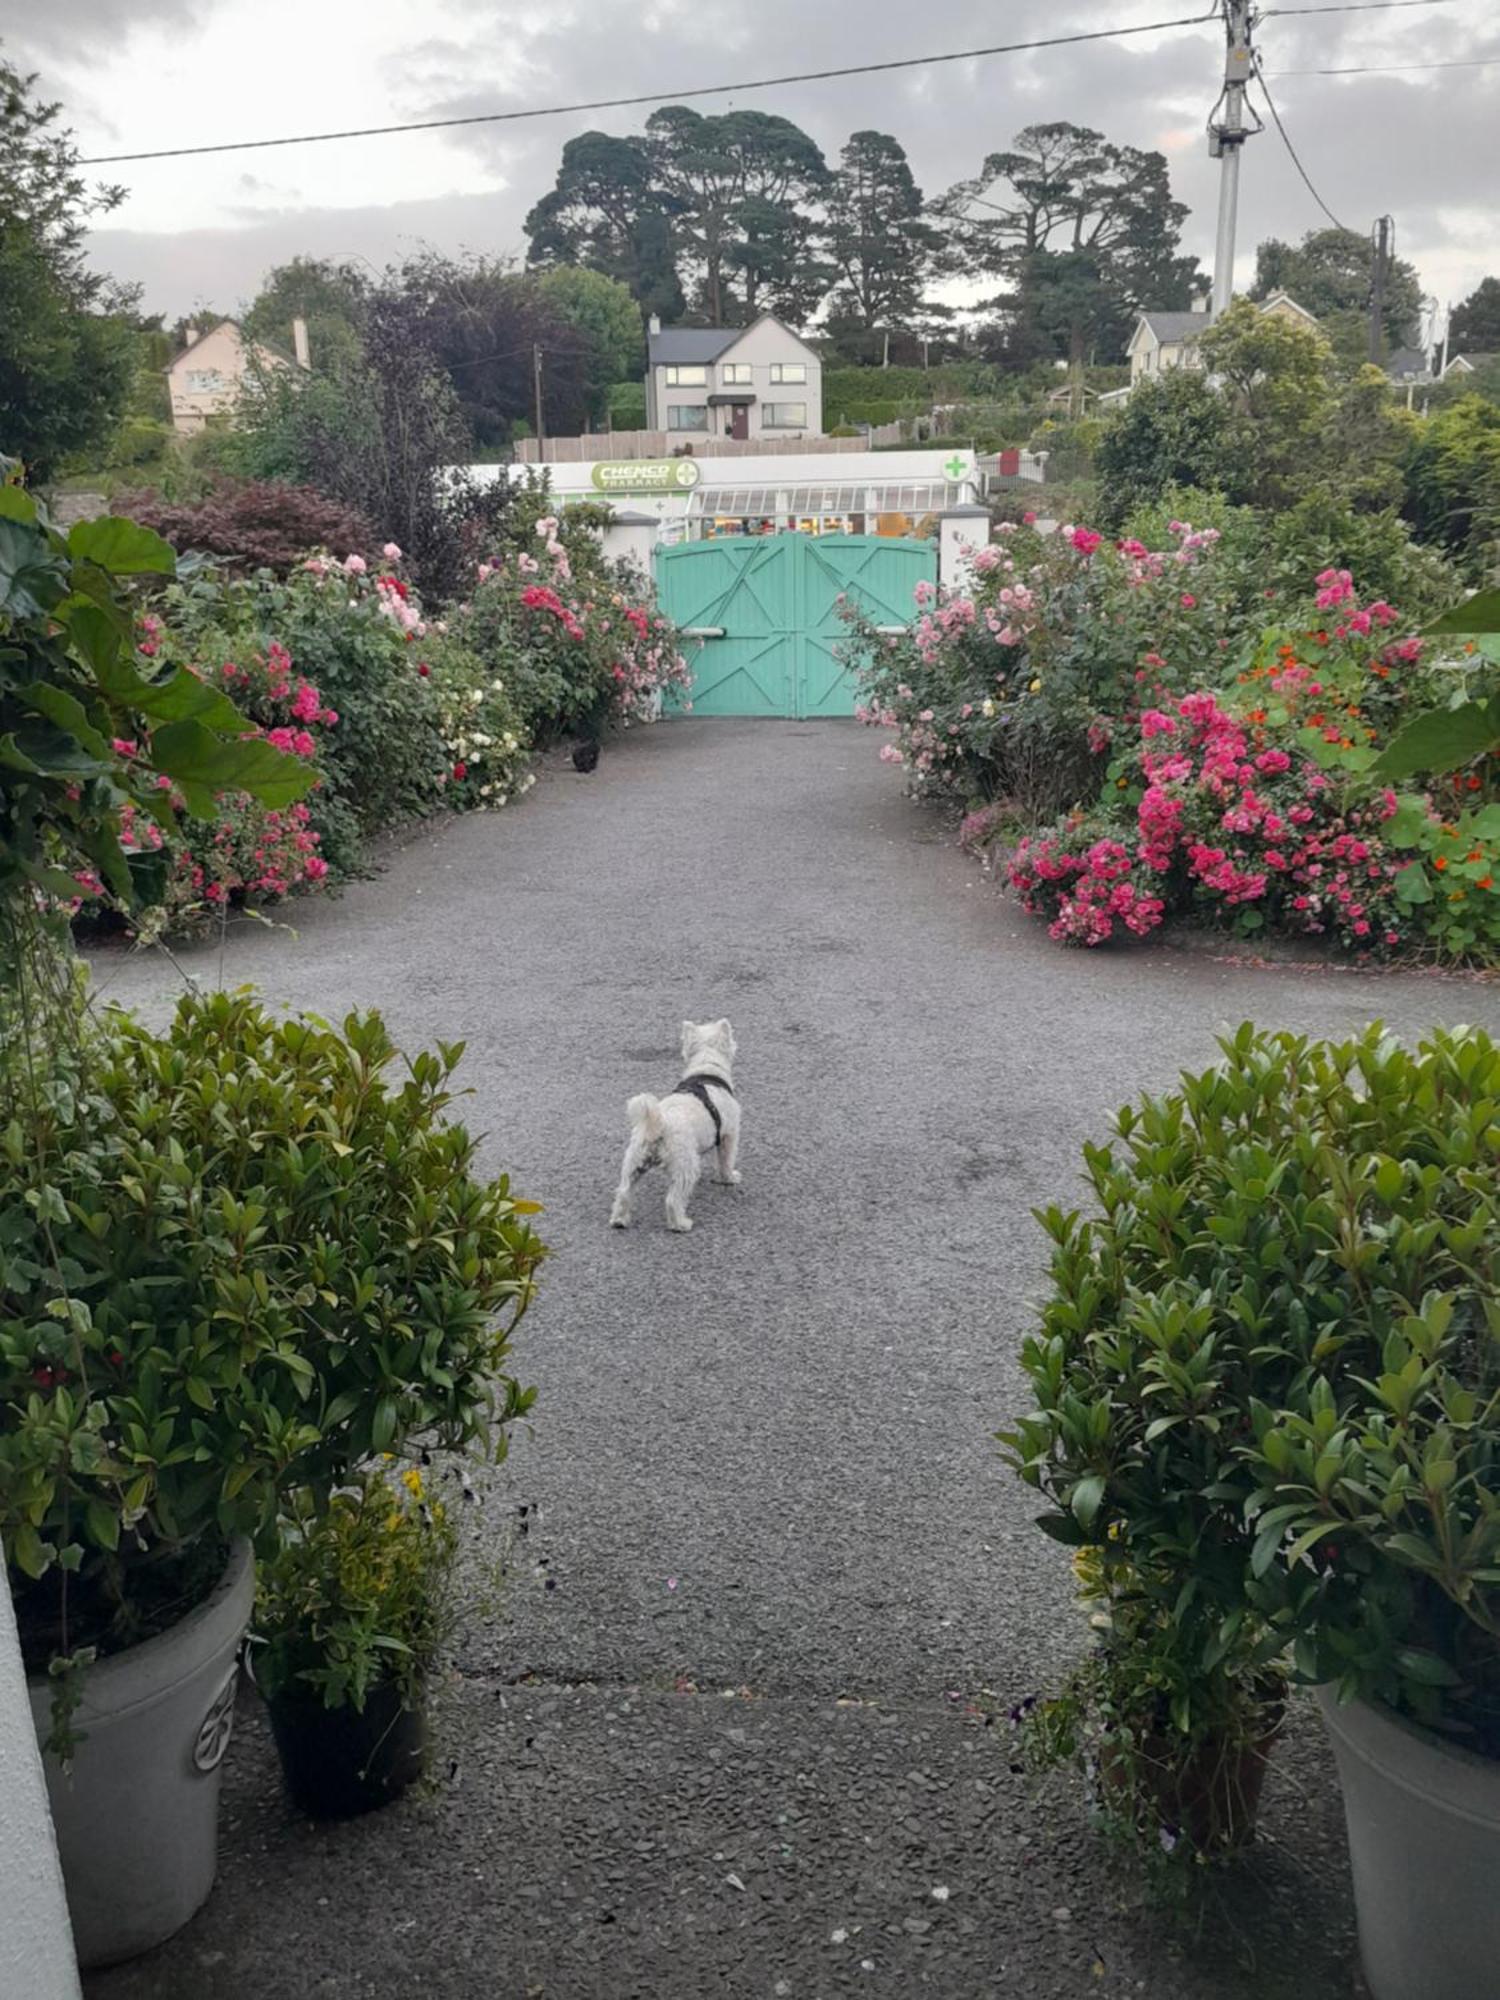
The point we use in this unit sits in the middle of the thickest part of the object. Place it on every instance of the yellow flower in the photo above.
(1036, 687)
(411, 1479)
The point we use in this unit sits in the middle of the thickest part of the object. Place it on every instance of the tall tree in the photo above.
(607, 212)
(67, 356)
(878, 237)
(1064, 190)
(1331, 272)
(739, 186)
(1475, 325)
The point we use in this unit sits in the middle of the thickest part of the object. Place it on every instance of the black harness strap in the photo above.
(698, 1086)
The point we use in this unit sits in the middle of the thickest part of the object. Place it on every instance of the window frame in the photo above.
(685, 375)
(789, 374)
(676, 411)
(772, 419)
(737, 374)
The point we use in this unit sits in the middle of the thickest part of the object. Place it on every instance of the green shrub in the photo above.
(237, 1260)
(1267, 1380)
(360, 1594)
(385, 760)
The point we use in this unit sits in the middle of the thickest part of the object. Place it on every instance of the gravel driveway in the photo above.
(736, 1745)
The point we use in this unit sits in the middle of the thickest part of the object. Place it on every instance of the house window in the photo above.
(204, 381)
(687, 416)
(737, 374)
(784, 417)
(788, 371)
(687, 378)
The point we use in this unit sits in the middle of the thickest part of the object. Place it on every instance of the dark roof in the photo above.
(691, 346)
(1175, 326)
(1475, 357)
(1408, 364)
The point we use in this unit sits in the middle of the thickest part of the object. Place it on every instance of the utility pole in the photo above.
(1384, 229)
(541, 429)
(1227, 133)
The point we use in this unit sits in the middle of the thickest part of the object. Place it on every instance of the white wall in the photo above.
(36, 1941)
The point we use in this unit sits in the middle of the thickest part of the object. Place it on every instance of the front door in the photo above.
(739, 421)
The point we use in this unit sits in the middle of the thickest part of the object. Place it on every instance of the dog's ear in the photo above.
(724, 1035)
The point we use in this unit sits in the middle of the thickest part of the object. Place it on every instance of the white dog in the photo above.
(702, 1115)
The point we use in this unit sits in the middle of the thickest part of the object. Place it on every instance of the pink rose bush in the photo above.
(1231, 766)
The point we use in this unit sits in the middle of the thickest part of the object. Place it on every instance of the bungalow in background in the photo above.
(208, 377)
(757, 381)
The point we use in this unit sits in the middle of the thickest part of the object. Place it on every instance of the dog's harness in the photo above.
(698, 1086)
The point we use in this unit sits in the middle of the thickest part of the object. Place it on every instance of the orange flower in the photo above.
(1441, 862)
(1486, 881)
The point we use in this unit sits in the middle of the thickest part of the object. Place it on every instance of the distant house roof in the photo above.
(1175, 325)
(1281, 298)
(692, 346)
(1408, 364)
(1467, 363)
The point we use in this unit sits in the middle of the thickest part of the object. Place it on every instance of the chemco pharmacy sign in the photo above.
(663, 475)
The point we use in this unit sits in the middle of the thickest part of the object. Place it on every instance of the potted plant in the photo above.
(1174, 1752)
(1270, 1373)
(1173, 1713)
(1376, 1495)
(351, 1614)
(240, 1259)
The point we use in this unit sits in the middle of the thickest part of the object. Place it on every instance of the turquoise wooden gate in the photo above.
(761, 614)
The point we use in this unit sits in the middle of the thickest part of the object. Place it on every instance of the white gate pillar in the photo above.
(961, 530)
(36, 1939)
(631, 537)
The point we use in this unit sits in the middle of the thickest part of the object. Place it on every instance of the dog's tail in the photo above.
(644, 1113)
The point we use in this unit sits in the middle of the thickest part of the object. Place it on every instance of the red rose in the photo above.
(460, 771)
(423, 669)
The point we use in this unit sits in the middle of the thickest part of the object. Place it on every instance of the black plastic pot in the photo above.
(339, 1762)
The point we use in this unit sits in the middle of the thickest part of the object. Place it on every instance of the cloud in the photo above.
(1417, 146)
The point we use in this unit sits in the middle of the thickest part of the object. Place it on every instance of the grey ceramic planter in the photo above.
(1424, 1843)
(137, 1810)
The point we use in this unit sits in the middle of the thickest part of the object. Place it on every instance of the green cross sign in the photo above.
(956, 467)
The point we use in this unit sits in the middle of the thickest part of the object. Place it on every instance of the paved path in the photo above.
(730, 1752)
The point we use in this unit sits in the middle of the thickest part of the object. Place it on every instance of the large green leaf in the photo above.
(202, 765)
(16, 504)
(1442, 740)
(31, 578)
(1480, 613)
(67, 712)
(122, 547)
(181, 697)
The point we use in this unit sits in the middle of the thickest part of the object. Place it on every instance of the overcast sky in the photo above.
(134, 74)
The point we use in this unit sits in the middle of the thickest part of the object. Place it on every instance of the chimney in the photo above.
(191, 335)
(1200, 302)
(653, 325)
(299, 342)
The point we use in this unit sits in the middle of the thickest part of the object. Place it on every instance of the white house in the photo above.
(728, 381)
(1166, 340)
(208, 377)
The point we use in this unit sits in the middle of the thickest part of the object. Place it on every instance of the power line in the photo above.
(1356, 7)
(1394, 69)
(1260, 77)
(667, 97)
